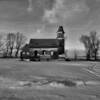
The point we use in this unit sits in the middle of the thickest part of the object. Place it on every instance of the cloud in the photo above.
(50, 15)
(61, 11)
(29, 9)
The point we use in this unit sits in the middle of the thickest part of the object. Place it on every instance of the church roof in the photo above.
(43, 43)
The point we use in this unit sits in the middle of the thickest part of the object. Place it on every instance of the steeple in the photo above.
(61, 39)
(60, 32)
(60, 29)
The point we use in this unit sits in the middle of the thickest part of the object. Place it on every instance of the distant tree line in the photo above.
(13, 42)
(91, 44)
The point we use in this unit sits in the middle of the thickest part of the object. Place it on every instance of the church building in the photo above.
(48, 46)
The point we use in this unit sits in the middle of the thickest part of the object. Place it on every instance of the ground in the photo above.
(52, 80)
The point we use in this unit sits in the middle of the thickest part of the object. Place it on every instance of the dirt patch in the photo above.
(38, 83)
(42, 83)
(63, 83)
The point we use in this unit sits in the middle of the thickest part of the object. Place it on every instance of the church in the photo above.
(53, 47)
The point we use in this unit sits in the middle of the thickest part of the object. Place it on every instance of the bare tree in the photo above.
(10, 41)
(1, 43)
(7, 48)
(85, 40)
(95, 42)
(20, 41)
(91, 44)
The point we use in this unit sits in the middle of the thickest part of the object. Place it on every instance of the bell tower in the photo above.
(61, 39)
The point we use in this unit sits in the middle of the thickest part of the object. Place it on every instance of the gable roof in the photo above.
(43, 43)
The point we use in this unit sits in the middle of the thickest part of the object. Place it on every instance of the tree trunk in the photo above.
(95, 56)
(88, 55)
(16, 54)
(11, 51)
(7, 52)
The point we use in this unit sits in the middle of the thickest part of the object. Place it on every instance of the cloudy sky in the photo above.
(41, 18)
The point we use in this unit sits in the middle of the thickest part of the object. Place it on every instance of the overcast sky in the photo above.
(41, 18)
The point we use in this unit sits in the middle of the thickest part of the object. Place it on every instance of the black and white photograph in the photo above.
(49, 49)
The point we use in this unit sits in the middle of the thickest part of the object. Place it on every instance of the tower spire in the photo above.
(61, 39)
(60, 32)
(60, 29)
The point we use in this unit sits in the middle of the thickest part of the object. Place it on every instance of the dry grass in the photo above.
(60, 72)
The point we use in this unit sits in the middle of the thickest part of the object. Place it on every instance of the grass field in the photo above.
(53, 80)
